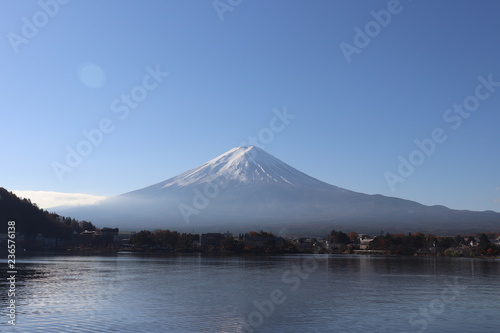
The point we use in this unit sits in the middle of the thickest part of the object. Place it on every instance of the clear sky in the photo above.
(337, 89)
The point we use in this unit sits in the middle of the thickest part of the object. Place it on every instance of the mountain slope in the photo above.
(242, 166)
(31, 220)
(247, 186)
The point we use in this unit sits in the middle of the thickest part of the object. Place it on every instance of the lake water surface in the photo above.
(293, 293)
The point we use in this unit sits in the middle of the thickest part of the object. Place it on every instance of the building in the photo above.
(212, 239)
(110, 236)
(364, 241)
(87, 237)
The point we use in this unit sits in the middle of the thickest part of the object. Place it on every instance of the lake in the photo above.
(129, 292)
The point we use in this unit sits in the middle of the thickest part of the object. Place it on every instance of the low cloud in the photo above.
(48, 199)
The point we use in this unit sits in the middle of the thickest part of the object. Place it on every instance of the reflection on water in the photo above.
(302, 293)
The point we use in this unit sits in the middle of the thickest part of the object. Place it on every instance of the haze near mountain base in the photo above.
(249, 188)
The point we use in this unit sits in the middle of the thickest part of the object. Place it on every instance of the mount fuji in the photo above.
(249, 188)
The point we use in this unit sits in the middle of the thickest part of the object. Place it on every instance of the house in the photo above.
(304, 244)
(87, 237)
(124, 238)
(364, 241)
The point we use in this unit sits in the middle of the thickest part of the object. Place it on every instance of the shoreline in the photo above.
(108, 252)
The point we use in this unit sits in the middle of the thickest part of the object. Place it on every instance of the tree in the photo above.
(339, 237)
(353, 237)
(484, 244)
(141, 238)
(417, 241)
(445, 242)
(459, 240)
(229, 243)
(85, 225)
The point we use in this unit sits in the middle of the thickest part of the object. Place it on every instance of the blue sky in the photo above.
(351, 117)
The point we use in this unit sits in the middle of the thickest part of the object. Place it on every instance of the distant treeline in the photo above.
(31, 220)
(164, 239)
(419, 243)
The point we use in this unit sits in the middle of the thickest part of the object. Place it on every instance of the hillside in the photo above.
(31, 220)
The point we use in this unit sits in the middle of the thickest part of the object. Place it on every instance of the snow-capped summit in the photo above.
(243, 166)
